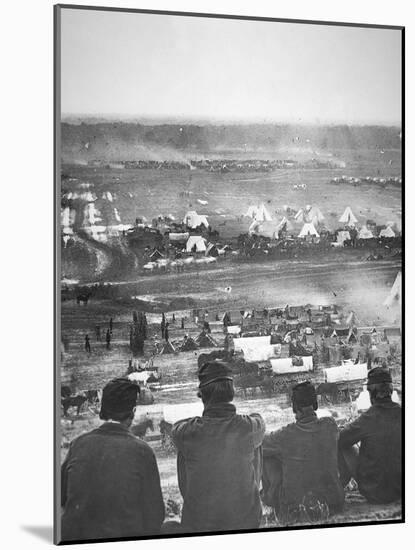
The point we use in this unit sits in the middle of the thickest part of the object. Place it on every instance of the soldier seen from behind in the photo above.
(300, 478)
(110, 484)
(376, 464)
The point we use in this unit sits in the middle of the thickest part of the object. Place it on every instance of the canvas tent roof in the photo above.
(178, 237)
(192, 219)
(167, 348)
(285, 222)
(251, 342)
(285, 365)
(205, 340)
(395, 294)
(314, 215)
(348, 217)
(264, 229)
(343, 236)
(308, 229)
(259, 213)
(365, 233)
(196, 242)
(388, 232)
(188, 344)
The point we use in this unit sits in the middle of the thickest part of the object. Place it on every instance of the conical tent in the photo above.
(308, 230)
(251, 212)
(167, 348)
(263, 215)
(314, 215)
(395, 292)
(205, 340)
(348, 217)
(365, 233)
(188, 344)
(300, 216)
(285, 225)
(259, 213)
(388, 232)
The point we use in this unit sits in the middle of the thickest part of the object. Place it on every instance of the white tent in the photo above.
(300, 216)
(365, 233)
(308, 230)
(264, 229)
(346, 372)
(261, 353)
(388, 232)
(285, 365)
(259, 213)
(348, 217)
(178, 237)
(195, 242)
(395, 294)
(314, 215)
(192, 219)
(241, 344)
(343, 236)
(251, 212)
(285, 223)
(253, 227)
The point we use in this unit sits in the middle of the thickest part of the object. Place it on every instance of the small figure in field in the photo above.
(108, 339)
(173, 318)
(166, 332)
(98, 333)
(162, 325)
(111, 325)
(87, 344)
(182, 323)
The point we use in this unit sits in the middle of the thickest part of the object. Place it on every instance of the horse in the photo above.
(73, 401)
(65, 391)
(90, 396)
(165, 432)
(83, 298)
(140, 429)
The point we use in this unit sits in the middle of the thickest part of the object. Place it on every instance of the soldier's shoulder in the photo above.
(328, 422)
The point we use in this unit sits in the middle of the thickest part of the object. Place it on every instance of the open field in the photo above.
(152, 192)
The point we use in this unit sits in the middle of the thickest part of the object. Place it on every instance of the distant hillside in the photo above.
(132, 141)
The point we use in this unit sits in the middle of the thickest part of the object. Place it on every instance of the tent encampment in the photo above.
(348, 217)
(196, 243)
(308, 230)
(395, 294)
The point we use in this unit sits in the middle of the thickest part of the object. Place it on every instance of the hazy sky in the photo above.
(185, 67)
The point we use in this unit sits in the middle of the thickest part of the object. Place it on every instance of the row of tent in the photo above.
(203, 340)
(310, 216)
